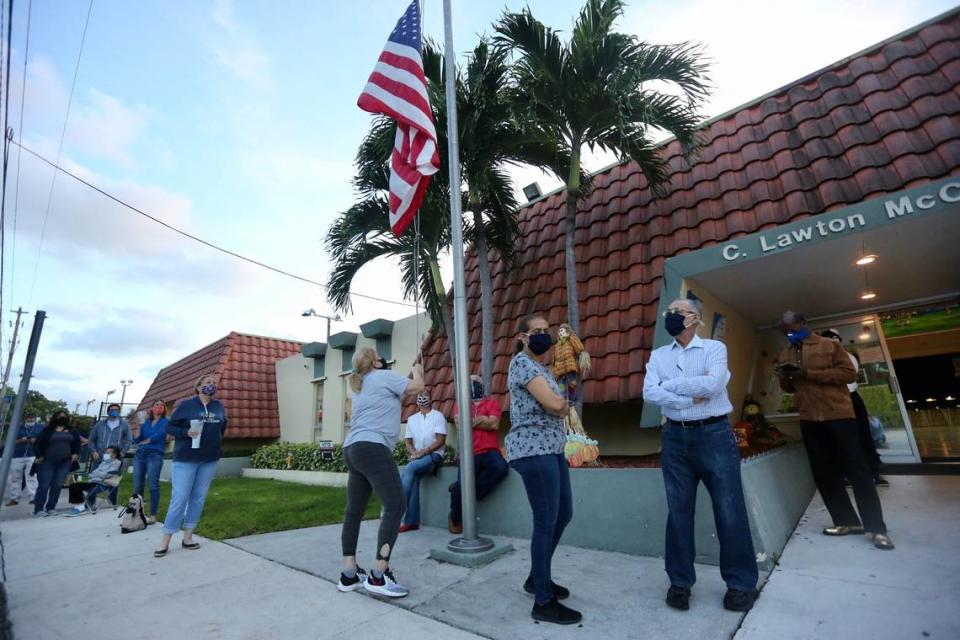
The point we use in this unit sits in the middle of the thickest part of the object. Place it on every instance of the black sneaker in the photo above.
(880, 481)
(352, 584)
(737, 600)
(560, 593)
(556, 613)
(678, 597)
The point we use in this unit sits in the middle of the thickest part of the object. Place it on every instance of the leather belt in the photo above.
(696, 423)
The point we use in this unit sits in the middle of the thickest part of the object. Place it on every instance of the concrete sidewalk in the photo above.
(80, 578)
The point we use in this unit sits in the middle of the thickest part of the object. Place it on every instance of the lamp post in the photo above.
(310, 313)
(123, 396)
(86, 411)
(107, 399)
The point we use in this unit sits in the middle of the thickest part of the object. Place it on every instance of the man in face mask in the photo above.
(489, 466)
(688, 380)
(817, 371)
(110, 431)
(23, 459)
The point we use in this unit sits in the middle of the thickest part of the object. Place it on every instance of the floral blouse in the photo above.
(533, 431)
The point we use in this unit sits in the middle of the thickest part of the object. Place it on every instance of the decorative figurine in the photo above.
(571, 360)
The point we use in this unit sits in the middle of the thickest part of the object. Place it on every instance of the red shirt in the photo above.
(483, 440)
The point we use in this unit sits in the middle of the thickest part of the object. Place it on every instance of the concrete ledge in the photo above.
(472, 560)
(226, 468)
(625, 510)
(315, 478)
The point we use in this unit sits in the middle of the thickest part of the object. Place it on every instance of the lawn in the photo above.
(933, 321)
(244, 506)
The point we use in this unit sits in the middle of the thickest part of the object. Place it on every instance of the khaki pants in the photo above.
(20, 467)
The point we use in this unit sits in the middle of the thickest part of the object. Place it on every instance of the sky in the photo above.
(237, 122)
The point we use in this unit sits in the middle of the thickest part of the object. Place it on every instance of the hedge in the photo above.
(307, 457)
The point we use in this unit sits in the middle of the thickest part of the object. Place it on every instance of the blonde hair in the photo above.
(362, 365)
(199, 382)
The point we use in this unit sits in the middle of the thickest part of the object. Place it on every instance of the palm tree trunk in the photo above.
(486, 301)
(441, 293)
(569, 231)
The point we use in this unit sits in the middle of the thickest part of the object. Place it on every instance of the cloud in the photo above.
(105, 127)
(238, 49)
(125, 332)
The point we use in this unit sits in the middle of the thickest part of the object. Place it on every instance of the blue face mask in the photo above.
(796, 337)
(540, 343)
(113, 413)
(208, 389)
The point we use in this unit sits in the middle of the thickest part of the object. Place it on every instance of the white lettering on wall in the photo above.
(926, 202)
(895, 209)
(945, 194)
(731, 252)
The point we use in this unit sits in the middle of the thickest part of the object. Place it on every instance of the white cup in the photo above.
(141, 417)
(196, 426)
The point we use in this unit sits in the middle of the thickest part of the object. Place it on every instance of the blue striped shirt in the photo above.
(676, 375)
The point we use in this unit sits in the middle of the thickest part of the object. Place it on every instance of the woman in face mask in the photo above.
(197, 426)
(148, 460)
(535, 449)
(57, 448)
(110, 465)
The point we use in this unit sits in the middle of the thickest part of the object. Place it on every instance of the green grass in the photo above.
(934, 321)
(245, 506)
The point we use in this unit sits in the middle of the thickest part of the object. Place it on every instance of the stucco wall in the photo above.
(295, 396)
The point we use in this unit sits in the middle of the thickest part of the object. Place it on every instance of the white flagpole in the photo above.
(469, 543)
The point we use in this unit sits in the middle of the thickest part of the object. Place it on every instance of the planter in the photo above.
(316, 478)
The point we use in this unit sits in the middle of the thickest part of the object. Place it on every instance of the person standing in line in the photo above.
(688, 380)
(151, 439)
(817, 371)
(22, 460)
(111, 431)
(197, 426)
(425, 440)
(489, 466)
(535, 448)
(368, 454)
(863, 418)
(56, 449)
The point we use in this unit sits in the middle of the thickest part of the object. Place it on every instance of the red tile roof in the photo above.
(884, 120)
(245, 367)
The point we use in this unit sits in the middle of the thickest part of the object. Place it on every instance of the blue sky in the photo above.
(237, 121)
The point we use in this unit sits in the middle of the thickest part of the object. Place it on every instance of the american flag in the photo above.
(397, 89)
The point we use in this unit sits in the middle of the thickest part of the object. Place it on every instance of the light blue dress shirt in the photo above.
(676, 375)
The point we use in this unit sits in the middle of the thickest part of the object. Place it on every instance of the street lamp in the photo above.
(125, 383)
(109, 393)
(310, 313)
(86, 411)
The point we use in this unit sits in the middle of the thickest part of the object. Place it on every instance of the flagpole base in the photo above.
(471, 553)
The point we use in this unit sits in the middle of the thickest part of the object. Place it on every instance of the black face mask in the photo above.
(384, 364)
(476, 390)
(59, 421)
(674, 324)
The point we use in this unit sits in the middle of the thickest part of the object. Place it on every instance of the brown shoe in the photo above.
(11, 503)
(454, 527)
(842, 531)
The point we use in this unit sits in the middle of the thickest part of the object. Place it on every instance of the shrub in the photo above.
(307, 457)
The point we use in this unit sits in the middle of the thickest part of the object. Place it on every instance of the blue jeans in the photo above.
(146, 466)
(709, 454)
(410, 478)
(490, 469)
(547, 481)
(191, 481)
(50, 477)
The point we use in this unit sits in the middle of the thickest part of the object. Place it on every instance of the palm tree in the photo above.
(594, 91)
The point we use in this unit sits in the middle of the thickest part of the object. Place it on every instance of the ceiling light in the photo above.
(931, 399)
(868, 295)
(865, 260)
(911, 402)
(864, 336)
(949, 398)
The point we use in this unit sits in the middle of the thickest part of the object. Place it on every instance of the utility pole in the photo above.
(21, 400)
(6, 371)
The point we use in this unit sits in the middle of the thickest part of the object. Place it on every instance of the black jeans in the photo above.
(834, 450)
(490, 469)
(863, 431)
(372, 468)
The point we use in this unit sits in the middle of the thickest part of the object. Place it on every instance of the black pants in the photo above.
(835, 451)
(372, 468)
(863, 430)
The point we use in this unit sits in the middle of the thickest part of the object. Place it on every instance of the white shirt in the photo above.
(423, 429)
(676, 375)
(853, 386)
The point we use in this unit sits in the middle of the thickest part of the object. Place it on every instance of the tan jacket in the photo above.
(822, 393)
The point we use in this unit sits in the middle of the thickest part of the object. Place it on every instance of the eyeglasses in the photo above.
(683, 312)
(537, 332)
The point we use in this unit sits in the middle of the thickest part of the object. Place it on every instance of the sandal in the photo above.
(193, 546)
(159, 553)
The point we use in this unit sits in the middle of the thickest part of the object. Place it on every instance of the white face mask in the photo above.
(107, 457)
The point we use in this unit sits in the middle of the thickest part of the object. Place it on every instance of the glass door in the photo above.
(879, 388)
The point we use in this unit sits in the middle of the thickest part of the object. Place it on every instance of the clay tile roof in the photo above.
(245, 367)
(884, 120)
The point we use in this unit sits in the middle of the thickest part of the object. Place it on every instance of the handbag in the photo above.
(112, 481)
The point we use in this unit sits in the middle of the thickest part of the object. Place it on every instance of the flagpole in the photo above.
(469, 542)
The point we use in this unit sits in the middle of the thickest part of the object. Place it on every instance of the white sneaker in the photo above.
(40, 514)
(386, 586)
(352, 584)
(78, 510)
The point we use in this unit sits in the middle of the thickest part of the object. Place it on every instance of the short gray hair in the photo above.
(695, 303)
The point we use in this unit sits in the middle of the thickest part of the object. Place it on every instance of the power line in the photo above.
(16, 196)
(190, 236)
(63, 133)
